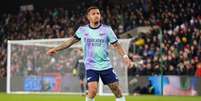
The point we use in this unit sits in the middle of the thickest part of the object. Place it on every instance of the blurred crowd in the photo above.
(31, 60)
(176, 47)
(171, 52)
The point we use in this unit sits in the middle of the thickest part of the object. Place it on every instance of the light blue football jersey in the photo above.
(95, 43)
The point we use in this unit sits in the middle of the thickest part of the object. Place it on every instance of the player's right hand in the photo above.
(51, 52)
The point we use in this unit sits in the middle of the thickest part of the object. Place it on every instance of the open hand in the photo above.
(128, 62)
(51, 52)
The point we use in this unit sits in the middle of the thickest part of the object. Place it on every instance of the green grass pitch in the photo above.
(52, 97)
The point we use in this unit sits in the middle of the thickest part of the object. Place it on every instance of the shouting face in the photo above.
(94, 16)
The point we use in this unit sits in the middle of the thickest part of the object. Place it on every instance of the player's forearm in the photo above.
(119, 49)
(66, 44)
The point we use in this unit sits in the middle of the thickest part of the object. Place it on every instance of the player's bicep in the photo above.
(76, 37)
(115, 44)
(74, 40)
(71, 41)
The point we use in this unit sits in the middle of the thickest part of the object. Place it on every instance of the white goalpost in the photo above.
(31, 71)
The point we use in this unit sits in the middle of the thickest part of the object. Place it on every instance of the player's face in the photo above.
(94, 16)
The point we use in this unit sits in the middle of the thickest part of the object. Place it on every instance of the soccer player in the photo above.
(95, 39)
(81, 71)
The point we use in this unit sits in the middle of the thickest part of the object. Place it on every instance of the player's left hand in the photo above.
(128, 61)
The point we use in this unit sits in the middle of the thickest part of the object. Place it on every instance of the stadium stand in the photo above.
(180, 21)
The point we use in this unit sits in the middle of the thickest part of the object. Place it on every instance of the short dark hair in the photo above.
(90, 8)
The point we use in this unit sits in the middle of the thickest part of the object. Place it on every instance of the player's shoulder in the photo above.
(83, 27)
(106, 26)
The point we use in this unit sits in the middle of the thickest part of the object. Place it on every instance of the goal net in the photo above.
(31, 70)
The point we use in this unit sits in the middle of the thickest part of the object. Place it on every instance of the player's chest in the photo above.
(98, 37)
(94, 34)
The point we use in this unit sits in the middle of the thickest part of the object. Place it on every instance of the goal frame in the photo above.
(24, 42)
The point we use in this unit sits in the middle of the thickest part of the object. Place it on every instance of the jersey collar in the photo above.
(95, 27)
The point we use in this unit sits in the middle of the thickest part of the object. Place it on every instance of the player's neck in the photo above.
(95, 25)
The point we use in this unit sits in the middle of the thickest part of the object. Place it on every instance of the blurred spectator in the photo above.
(198, 70)
(2, 73)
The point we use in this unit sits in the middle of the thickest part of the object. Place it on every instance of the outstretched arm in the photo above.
(121, 51)
(64, 45)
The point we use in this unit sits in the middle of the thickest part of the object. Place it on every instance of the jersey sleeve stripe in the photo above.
(75, 36)
(114, 42)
